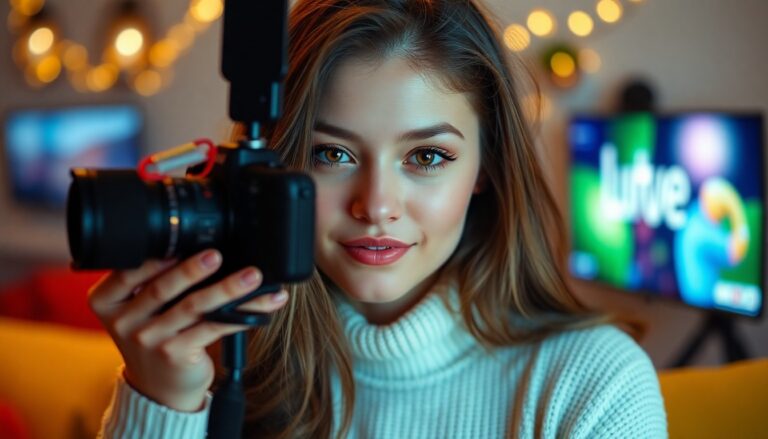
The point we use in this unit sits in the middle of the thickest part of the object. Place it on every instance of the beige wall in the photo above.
(698, 53)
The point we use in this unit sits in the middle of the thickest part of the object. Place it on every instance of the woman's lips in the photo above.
(376, 251)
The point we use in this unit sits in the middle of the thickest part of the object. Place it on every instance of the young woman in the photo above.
(437, 308)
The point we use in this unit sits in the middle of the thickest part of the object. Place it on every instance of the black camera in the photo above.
(250, 207)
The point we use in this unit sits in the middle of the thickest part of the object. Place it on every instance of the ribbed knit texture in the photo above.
(133, 416)
(425, 376)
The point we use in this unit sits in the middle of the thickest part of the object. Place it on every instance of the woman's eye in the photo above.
(426, 158)
(330, 156)
(430, 158)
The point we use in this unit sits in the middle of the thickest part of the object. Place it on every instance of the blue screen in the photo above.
(41, 145)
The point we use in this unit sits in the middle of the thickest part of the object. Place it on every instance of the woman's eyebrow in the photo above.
(417, 134)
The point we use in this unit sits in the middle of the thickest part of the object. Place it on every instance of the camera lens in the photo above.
(117, 220)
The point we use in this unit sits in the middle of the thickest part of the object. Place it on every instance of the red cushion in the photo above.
(52, 294)
(11, 424)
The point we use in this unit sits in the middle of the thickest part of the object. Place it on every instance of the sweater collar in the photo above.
(429, 339)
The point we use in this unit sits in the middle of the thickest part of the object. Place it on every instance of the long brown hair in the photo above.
(509, 260)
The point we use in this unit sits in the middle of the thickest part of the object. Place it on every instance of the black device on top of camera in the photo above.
(249, 206)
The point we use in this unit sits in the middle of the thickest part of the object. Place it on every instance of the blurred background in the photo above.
(131, 78)
(105, 82)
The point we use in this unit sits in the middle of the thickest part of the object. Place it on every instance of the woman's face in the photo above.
(396, 161)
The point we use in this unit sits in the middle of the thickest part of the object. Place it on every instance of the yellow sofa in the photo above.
(60, 380)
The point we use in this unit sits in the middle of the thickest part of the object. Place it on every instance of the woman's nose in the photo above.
(377, 198)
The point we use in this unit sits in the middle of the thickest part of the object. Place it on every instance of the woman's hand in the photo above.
(164, 354)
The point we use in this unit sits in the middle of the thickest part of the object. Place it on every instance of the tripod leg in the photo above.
(694, 345)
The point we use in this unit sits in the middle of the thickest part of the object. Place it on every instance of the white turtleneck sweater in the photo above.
(425, 376)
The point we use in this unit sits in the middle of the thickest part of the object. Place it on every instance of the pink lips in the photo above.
(376, 251)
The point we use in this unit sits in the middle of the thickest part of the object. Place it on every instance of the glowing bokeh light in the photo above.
(48, 69)
(163, 53)
(580, 23)
(589, 60)
(40, 40)
(609, 10)
(148, 82)
(562, 64)
(129, 42)
(182, 34)
(75, 57)
(541, 22)
(206, 11)
(516, 38)
(101, 78)
(27, 7)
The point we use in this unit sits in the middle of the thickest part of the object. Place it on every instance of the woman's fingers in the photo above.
(166, 287)
(192, 308)
(115, 288)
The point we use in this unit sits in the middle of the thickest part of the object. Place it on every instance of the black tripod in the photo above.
(715, 323)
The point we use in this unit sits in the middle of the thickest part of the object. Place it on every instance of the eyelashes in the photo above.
(426, 158)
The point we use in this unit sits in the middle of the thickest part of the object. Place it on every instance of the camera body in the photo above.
(250, 207)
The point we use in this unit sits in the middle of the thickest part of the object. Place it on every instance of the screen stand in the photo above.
(733, 347)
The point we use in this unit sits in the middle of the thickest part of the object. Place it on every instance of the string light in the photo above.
(129, 42)
(40, 40)
(609, 10)
(27, 7)
(148, 66)
(206, 11)
(516, 37)
(541, 22)
(562, 64)
(580, 23)
(589, 60)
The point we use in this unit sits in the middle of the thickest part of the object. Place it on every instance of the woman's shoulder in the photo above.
(595, 382)
(599, 350)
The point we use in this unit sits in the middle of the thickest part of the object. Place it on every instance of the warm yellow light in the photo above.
(27, 7)
(101, 78)
(589, 60)
(129, 42)
(541, 22)
(516, 37)
(163, 53)
(48, 69)
(78, 79)
(148, 82)
(206, 11)
(16, 20)
(182, 34)
(75, 57)
(609, 10)
(580, 23)
(562, 64)
(40, 41)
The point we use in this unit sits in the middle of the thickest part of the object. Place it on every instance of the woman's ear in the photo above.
(481, 183)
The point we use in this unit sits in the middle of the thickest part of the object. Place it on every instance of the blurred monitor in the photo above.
(671, 205)
(41, 145)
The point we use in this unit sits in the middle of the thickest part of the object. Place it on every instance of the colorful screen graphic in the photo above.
(42, 145)
(671, 205)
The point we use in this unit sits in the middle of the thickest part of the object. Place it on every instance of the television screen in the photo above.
(41, 145)
(671, 205)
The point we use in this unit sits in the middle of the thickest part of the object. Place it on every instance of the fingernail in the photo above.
(281, 296)
(250, 276)
(211, 259)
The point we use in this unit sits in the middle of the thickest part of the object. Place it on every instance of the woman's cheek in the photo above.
(441, 208)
